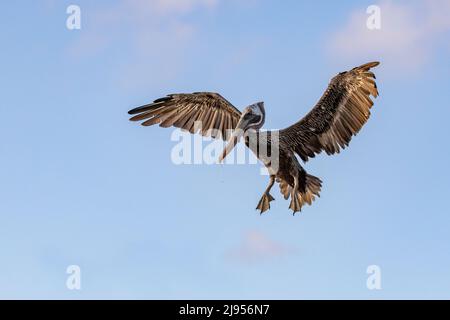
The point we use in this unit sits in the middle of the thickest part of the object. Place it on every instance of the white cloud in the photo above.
(166, 6)
(257, 247)
(411, 32)
(151, 34)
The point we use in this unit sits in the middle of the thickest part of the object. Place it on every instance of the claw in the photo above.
(264, 203)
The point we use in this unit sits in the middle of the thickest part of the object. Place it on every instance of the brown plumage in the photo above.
(216, 114)
(339, 115)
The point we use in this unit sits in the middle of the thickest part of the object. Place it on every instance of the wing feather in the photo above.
(183, 110)
(339, 115)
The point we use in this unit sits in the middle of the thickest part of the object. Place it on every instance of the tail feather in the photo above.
(311, 190)
(285, 189)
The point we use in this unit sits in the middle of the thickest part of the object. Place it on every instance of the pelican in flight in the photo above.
(339, 115)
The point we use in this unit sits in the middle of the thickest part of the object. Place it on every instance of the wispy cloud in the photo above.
(257, 247)
(411, 33)
(168, 6)
(155, 34)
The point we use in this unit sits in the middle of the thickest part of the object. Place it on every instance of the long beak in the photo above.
(234, 139)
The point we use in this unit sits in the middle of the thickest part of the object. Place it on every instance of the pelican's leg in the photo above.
(295, 201)
(264, 203)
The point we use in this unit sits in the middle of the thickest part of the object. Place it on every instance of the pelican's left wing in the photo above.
(216, 115)
(339, 115)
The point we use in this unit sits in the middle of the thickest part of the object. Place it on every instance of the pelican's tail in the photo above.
(306, 194)
(312, 188)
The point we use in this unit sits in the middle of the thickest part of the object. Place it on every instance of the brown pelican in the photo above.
(339, 115)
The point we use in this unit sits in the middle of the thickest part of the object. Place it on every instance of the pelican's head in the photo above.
(252, 118)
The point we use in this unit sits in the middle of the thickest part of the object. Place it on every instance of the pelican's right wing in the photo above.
(339, 115)
(183, 110)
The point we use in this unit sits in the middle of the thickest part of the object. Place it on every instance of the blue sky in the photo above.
(81, 185)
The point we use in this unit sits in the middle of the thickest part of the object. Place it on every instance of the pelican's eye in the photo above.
(256, 118)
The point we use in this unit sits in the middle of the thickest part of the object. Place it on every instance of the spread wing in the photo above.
(339, 115)
(184, 110)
